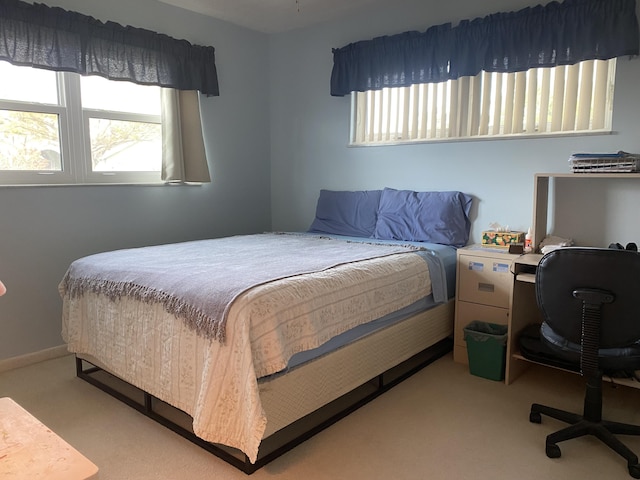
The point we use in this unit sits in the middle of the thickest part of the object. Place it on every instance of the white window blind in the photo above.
(543, 101)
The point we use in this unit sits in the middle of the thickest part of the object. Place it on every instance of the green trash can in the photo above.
(486, 348)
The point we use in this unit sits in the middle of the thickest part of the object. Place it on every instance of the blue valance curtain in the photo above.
(53, 38)
(542, 36)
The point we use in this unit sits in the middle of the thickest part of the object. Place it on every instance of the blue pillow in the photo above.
(434, 217)
(346, 213)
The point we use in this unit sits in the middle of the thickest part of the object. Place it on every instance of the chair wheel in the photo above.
(535, 417)
(553, 451)
(634, 470)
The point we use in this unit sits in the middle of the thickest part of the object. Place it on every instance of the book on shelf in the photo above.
(620, 162)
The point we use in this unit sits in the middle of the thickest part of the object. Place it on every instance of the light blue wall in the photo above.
(309, 131)
(275, 137)
(43, 229)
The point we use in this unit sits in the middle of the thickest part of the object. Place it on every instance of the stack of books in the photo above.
(621, 162)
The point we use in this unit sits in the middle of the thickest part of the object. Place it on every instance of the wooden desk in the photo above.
(511, 301)
(488, 304)
(29, 450)
(524, 311)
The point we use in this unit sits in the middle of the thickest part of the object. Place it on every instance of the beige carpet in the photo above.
(442, 423)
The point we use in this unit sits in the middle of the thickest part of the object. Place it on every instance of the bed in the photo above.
(248, 362)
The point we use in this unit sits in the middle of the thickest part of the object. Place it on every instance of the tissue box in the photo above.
(495, 239)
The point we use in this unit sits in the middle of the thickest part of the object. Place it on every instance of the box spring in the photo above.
(311, 396)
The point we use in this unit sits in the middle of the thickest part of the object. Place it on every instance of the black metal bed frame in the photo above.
(281, 441)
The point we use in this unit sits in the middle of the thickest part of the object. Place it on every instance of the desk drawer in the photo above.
(486, 281)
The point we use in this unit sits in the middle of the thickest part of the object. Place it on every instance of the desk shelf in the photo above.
(541, 196)
(526, 277)
(627, 382)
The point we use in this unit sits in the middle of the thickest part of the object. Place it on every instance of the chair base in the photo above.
(580, 426)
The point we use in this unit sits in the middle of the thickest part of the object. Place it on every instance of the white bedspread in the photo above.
(217, 383)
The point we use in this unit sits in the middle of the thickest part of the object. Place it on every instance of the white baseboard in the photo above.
(35, 357)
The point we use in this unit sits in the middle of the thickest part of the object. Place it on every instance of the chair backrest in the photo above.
(564, 270)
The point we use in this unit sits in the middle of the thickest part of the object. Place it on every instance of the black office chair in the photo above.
(590, 303)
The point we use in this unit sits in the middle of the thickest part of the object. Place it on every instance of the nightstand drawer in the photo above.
(485, 280)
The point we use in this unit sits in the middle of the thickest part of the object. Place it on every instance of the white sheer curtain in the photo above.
(183, 154)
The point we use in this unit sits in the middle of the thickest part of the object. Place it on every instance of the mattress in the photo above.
(217, 384)
(441, 260)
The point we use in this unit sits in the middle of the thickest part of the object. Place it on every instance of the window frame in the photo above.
(74, 138)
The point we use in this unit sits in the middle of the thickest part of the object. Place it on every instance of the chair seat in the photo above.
(533, 348)
(616, 362)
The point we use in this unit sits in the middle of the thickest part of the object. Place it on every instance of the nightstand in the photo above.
(484, 286)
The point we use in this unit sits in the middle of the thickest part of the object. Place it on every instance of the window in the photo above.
(58, 128)
(540, 101)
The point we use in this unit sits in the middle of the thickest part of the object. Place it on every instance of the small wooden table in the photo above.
(30, 450)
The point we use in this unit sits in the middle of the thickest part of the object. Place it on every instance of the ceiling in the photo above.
(272, 16)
